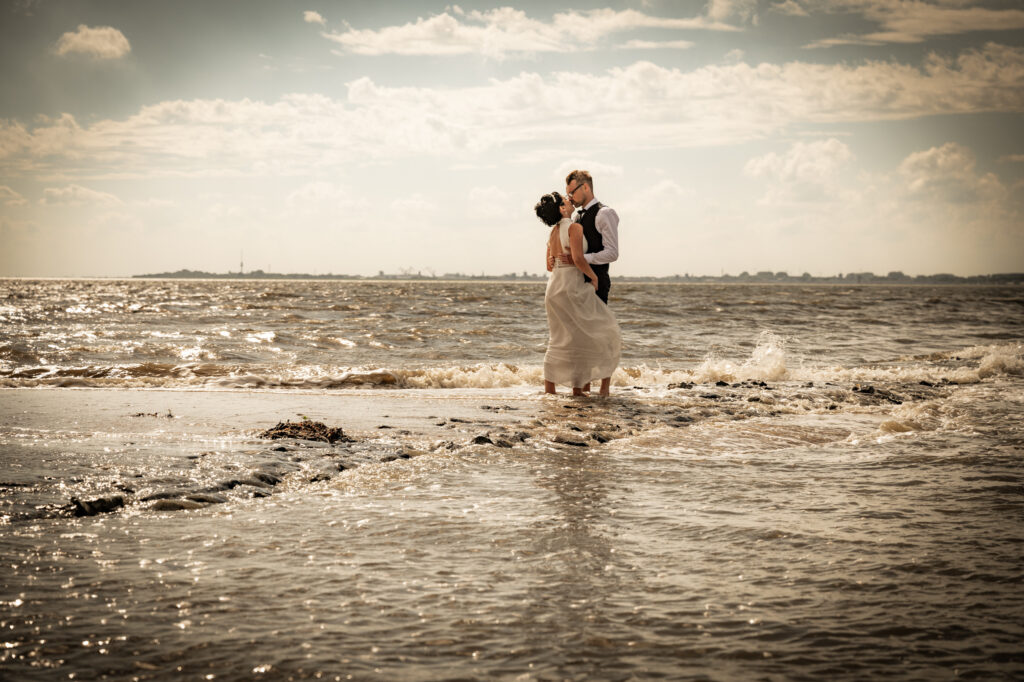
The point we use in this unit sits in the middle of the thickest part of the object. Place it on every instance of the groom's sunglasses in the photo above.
(574, 190)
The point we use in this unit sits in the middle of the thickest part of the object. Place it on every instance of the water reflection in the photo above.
(574, 601)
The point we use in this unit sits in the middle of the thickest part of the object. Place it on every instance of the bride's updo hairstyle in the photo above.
(548, 209)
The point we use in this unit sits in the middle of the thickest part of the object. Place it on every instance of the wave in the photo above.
(768, 361)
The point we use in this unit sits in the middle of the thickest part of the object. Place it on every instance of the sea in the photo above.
(788, 482)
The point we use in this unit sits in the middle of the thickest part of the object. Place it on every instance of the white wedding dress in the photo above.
(584, 342)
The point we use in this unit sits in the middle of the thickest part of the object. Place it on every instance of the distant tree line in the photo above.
(765, 276)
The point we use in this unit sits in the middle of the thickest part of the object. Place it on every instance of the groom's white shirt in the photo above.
(607, 223)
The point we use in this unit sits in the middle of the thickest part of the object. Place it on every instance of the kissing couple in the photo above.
(584, 341)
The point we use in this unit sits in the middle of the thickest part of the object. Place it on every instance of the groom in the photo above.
(600, 227)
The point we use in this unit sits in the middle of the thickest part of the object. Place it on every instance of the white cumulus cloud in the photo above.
(725, 10)
(807, 171)
(101, 42)
(948, 174)
(655, 45)
(76, 195)
(639, 106)
(913, 21)
(505, 30)
(311, 17)
(813, 162)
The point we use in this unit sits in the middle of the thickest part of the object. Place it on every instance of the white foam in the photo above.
(767, 362)
(1006, 360)
(931, 415)
(476, 376)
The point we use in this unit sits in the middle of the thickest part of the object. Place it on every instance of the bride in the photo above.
(584, 340)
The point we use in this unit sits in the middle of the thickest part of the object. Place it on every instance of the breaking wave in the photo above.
(768, 361)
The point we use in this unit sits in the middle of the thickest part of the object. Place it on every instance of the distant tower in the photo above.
(241, 262)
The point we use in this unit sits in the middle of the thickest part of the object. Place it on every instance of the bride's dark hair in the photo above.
(547, 208)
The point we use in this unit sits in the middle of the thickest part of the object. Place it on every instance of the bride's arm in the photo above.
(576, 248)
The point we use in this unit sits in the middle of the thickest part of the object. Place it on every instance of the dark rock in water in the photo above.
(307, 430)
(176, 505)
(753, 399)
(385, 426)
(269, 479)
(710, 396)
(573, 427)
(565, 441)
(319, 478)
(163, 495)
(502, 443)
(279, 448)
(890, 396)
(721, 383)
(681, 384)
(481, 440)
(879, 393)
(600, 438)
(459, 421)
(925, 383)
(392, 458)
(520, 436)
(100, 505)
(206, 498)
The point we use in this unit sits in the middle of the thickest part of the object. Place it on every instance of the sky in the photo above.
(824, 136)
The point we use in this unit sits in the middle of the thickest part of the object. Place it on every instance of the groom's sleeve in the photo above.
(607, 223)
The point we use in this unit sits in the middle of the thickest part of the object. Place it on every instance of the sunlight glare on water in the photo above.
(773, 492)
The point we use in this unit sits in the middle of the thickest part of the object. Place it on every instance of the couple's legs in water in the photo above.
(606, 387)
(606, 384)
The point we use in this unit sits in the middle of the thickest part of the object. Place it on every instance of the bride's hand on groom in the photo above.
(593, 283)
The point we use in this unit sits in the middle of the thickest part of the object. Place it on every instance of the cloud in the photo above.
(102, 42)
(655, 45)
(11, 198)
(724, 10)
(311, 17)
(913, 21)
(505, 31)
(804, 162)
(76, 195)
(640, 106)
(790, 7)
(808, 171)
(947, 174)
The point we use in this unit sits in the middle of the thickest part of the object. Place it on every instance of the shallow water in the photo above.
(789, 523)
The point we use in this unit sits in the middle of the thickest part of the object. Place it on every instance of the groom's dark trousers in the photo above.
(594, 244)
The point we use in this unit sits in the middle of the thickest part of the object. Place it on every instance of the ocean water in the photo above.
(788, 483)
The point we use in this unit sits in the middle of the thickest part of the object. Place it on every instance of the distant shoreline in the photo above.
(742, 278)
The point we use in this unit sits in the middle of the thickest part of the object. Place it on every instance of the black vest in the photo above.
(594, 244)
(588, 220)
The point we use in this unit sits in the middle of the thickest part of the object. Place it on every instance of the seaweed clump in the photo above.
(307, 430)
